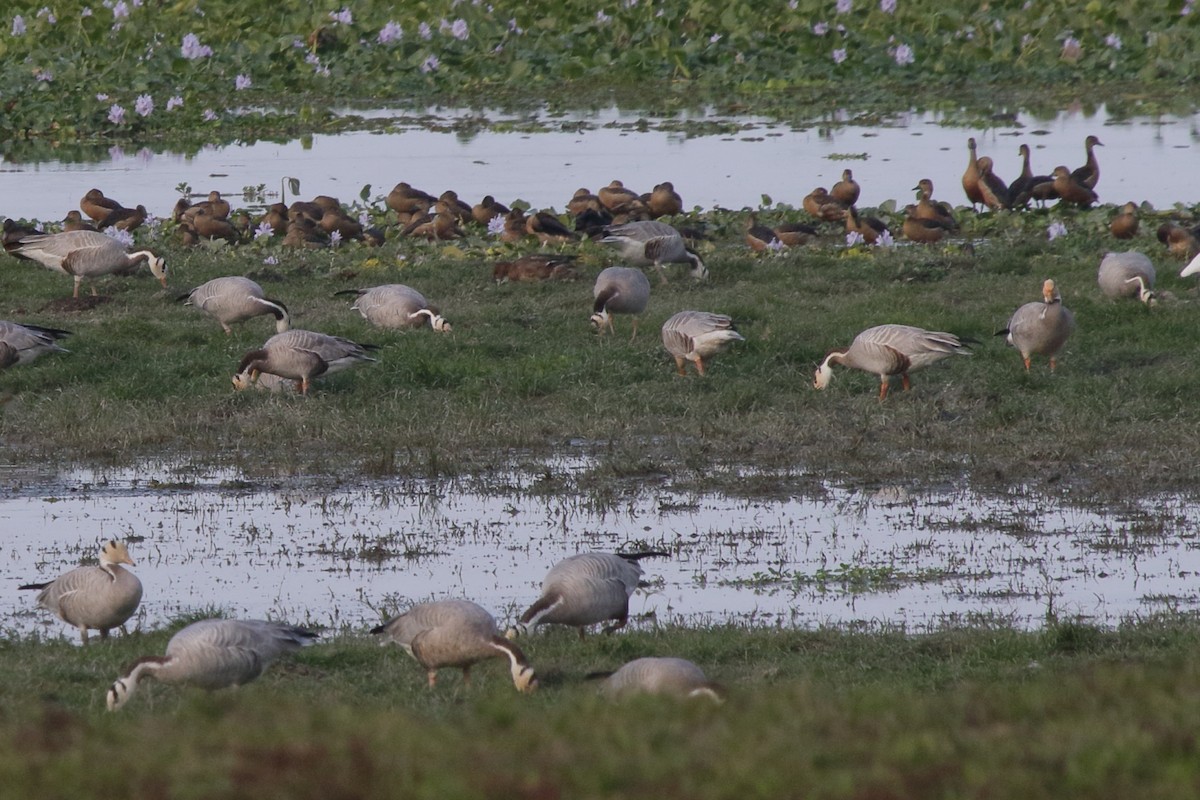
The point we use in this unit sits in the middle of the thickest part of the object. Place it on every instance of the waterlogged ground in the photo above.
(342, 556)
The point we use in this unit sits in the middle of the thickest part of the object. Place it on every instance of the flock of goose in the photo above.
(579, 591)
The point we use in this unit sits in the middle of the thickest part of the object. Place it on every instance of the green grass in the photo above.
(523, 377)
(1070, 711)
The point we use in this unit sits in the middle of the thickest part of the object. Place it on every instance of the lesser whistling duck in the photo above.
(1070, 190)
(846, 190)
(664, 201)
(124, 219)
(970, 178)
(888, 350)
(406, 200)
(928, 208)
(1180, 241)
(1042, 327)
(456, 206)
(76, 222)
(870, 228)
(1021, 191)
(1089, 173)
(548, 228)
(760, 237)
(921, 229)
(1125, 224)
(617, 199)
(697, 336)
(991, 187)
(515, 227)
(486, 209)
(583, 200)
(820, 204)
(535, 267)
(97, 206)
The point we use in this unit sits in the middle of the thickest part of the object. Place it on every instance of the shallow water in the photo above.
(1143, 159)
(344, 556)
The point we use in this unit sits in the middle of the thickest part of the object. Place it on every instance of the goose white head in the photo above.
(436, 320)
(158, 267)
(115, 552)
(124, 687)
(824, 373)
(243, 380)
(601, 319)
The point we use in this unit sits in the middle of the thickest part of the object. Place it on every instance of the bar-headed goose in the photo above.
(301, 356)
(676, 677)
(212, 654)
(888, 350)
(24, 343)
(585, 589)
(86, 254)
(455, 633)
(619, 290)
(236, 299)
(395, 305)
(647, 242)
(697, 336)
(94, 598)
(1040, 328)
(1127, 275)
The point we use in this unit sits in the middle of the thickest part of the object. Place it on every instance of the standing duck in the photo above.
(86, 254)
(1021, 191)
(301, 356)
(24, 343)
(647, 242)
(1127, 275)
(455, 633)
(846, 190)
(888, 350)
(212, 654)
(235, 299)
(1040, 328)
(1070, 190)
(696, 336)
(395, 305)
(94, 598)
(970, 178)
(928, 208)
(993, 189)
(676, 677)
(585, 589)
(1089, 173)
(619, 290)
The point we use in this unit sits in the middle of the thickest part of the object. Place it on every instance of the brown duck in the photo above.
(664, 201)
(1070, 190)
(930, 209)
(97, 206)
(1089, 173)
(921, 229)
(970, 178)
(846, 190)
(1125, 224)
(993, 189)
(820, 204)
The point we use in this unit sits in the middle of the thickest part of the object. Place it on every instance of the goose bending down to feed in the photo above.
(94, 598)
(647, 243)
(395, 305)
(1040, 328)
(212, 654)
(24, 343)
(86, 254)
(1192, 268)
(585, 589)
(676, 677)
(697, 336)
(1127, 275)
(236, 299)
(619, 290)
(301, 356)
(455, 633)
(888, 350)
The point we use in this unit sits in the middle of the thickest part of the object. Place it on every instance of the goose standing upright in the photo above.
(455, 633)
(1040, 328)
(86, 254)
(97, 598)
(236, 299)
(301, 356)
(619, 290)
(1127, 275)
(24, 343)
(676, 677)
(888, 350)
(212, 654)
(697, 335)
(584, 589)
(394, 305)
(647, 243)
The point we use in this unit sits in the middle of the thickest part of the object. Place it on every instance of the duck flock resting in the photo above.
(214, 653)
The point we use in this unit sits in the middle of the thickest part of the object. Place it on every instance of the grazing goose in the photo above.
(584, 589)
(301, 356)
(395, 305)
(697, 335)
(1125, 224)
(212, 654)
(455, 633)
(24, 343)
(646, 242)
(236, 299)
(86, 254)
(619, 290)
(676, 677)
(1089, 173)
(1040, 328)
(846, 190)
(1127, 275)
(99, 598)
(888, 350)
(970, 178)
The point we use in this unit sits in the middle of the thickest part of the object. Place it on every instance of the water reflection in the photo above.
(343, 556)
(713, 160)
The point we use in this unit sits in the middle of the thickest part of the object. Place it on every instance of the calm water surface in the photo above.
(347, 555)
(1142, 159)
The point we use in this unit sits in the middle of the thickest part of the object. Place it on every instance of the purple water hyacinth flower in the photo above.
(264, 231)
(887, 6)
(87, 12)
(775, 245)
(144, 105)
(45, 11)
(242, 82)
(424, 31)
(18, 26)
(458, 29)
(430, 64)
(514, 28)
(885, 239)
(1113, 41)
(343, 17)
(844, 6)
(209, 115)
(192, 49)
(1056, 230)
(853, 238)
(124, 237)
(821, 28)
(44, 75)
(716, 37)
(1071, 49)
(390, 33)
(271, 261)
(174, 103)
(602, 18)
(116, 114)
(364, 218)
(101, 96)
(839, 55)
(793, 4)
(495, 225)
(335, 238)
(903, 55)
(120, 10)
